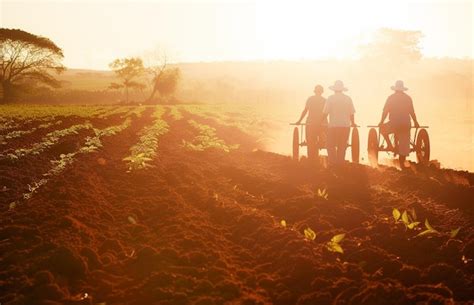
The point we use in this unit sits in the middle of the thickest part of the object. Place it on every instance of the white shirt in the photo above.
(339, 108)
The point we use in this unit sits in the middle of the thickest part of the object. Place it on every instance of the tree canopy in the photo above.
(394, 46)
(168, 81)
(164, 79)
(128, 70)
(27, 58)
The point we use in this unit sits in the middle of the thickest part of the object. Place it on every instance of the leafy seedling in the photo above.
(429, 229)
(322, 193)
(412, 225)
(283, 223)
(454, 232)
(408, 221)
(396, 214)
(405, 218)
(309, 234)
(334, 245)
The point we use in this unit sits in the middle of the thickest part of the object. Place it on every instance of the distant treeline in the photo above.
(440, 84)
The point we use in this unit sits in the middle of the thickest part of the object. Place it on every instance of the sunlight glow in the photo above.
(236, 30)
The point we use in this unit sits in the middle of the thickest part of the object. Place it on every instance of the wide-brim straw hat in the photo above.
(338, 86)
(399, 86)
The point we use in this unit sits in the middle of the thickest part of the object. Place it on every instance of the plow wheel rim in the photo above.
(423, 147)
(372, 147)
(355, 145)
(296, 144)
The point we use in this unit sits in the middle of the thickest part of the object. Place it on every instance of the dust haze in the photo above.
(441, 88)
(442, 91)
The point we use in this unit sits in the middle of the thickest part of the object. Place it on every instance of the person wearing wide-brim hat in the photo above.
(340, 110)
(399, 109)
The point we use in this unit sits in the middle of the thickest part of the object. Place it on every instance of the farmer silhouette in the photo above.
(315, 123)
(340, 110)
(399, 109)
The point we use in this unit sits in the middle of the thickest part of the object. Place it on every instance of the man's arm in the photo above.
(323, 118)
(384, 116)
(303, 114)
(325, 112)
(353, 121)
(384, 112)
(352, 114)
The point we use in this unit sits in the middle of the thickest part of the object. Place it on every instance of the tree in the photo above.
(156, 65)
(163, 79)
(393, 46)
(27, 59)
(167, 82)
(128, 70)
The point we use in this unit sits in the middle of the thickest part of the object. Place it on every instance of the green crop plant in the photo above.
(60, 164)
(454, 232)
(33, 188)
(429, 229)
(323, 193)
(146, 149)
(110, 111)
(309, 234)
(405, 218)
(49, 140)
(47, 122)
(7, 124)
(175, 113)
(29, 113)
(91, 144)
(409, 220)
(139, 161)
(206, 139)
(18, 133)
(135, 111)
(113, 130)
(396, 214)
(248, 123)
(334, 244)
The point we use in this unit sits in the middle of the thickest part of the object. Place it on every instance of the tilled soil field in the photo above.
(217, 227)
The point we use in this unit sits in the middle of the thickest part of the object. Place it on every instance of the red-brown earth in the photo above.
(204, 227)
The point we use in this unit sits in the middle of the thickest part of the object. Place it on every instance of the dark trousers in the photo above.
(314, 139)
(337, 144)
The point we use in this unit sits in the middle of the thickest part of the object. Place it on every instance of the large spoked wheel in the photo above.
(355, 145)
(423, 147)
(373, 147)
(296, 144)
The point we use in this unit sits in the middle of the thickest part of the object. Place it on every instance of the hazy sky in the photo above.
(93, 33)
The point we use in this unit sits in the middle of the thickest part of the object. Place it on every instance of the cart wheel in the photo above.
(355, 147)
(296, 144)
(373, 147)
(423, 147)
